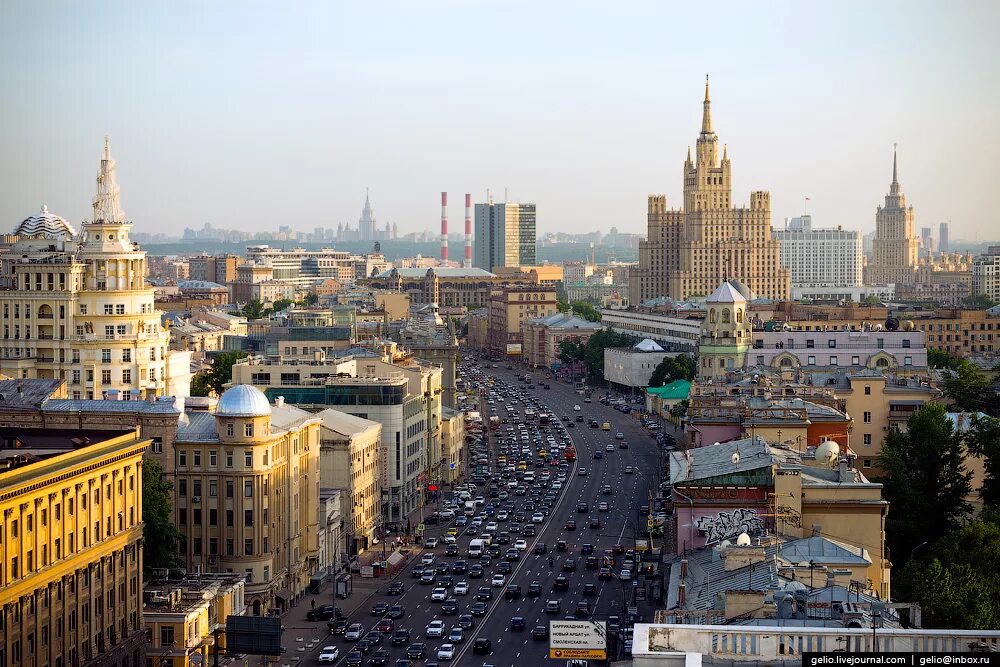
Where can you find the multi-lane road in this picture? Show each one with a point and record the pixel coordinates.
(618, 525)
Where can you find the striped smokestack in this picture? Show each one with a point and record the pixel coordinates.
(444, 226)
(468, 232)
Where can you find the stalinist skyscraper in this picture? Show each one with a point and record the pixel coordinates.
(896, 248)
(690, 251)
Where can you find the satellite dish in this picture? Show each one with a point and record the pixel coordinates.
(891, 324)
(743, 540)
(828, 452)
(736, 458)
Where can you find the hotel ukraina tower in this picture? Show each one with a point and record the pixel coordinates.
(76, 306)
(690, 251)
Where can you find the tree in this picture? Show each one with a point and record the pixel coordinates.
(681, 367)
(978, 301)
(200, 384)
(562, 305)
(279, 305)
(941, 359)
(925, 481)
(159, 533)
(983, 440)
(586, 311)
(967, 387)
(593, 356)
(680, 409)
(254, 310)
(221, 372)
(571, 351)
(957, 586)
(872, 300)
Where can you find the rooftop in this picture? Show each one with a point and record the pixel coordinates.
(345, 424)
(676, 390)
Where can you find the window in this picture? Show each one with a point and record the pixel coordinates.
(868, 390)
(106, 376)
(248, 458)
(127, 376)
(868, 418)
(213, 517)
(248, 429)
(213, 457)
(832, 343)
(833, 360)
(229, 458)
(127, 355)
(247, 517)
(119, 309)
(906, 342)
(109, 309)
(106, 356)
(230, 431)
(866, 463)
(230, 520)
(182, 458)
(907, 361)
(248, 487)
(197, 458)
(157, 444)
(868, 439)
(811, 360)
(230, 546)
(248, 547)
(213, 488)
(855, 361)
(229, 488)
(166, 635)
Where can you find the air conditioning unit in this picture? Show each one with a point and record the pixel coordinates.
(212, 560)
(196, 500)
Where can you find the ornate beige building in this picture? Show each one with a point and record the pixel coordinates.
(76, 307)
(690, 251)
(896, 246)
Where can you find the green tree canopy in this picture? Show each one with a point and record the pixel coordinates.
(280, 304)
(978, 301)
(221, 372)
(983, 439)
(967, 387)
(159, 533)
(681, 367)
(593, 357)
(254, 310)
(586, 311)
(571, 351)
(957, 585)
(200, 384)
(925, 481)
(941, 359)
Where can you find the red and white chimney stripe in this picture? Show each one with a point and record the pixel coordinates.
(468, 231)
(444, 226)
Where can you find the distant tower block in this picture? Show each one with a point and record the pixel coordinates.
(468, 232)
(444, 226)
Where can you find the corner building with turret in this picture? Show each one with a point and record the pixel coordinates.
(688, 252)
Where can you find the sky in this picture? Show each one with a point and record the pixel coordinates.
(253, 115)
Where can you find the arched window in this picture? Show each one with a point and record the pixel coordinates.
(711, 315)
(739, 315)
(881, 362)
(725, 316)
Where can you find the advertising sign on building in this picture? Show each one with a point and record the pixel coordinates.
(587, 640)
(513, 348)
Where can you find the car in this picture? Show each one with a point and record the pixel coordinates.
(577, 408)
(582, 507)
(512, 555)
(598, 455)
(427, 559)
(603, 507)
(482, 646)
(513, 592)
(428, 577)
(591, 563)
(396, 588)
(452, 548)
(607, 490)
(396, 612)
(570, 525)
(582, 608)
(541, 549)
(569, 565)
(561, 583)
(484, 593)
(586, 549)
(449, 607)
(594, 522)
(606, 426)
(431, 543)
(402, 662)
(379, 657)
(625, 575)
(456, 635)
(385, 626)
(329, 654)
(401, 638)
(355, 659)
(337, 627)
(435, 629)
(354, 632)
(466, 622)
(619, 436)
(629, 470)
(609, 447)
(461, 588)
(498, 580)
(416, 651)
(373, 637)
(439, 595)
(553, 607)
(537, 517)
(323, 612)
(446, 652)
(604, 573)
(561, 545)
(540, 632)
(476, 571)
(590, 589)
(521, 545)
(478, 609)
(618, 549)
(582, 472)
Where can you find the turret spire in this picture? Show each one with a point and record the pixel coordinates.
(894, 187)
(706, 116)
(107, 207)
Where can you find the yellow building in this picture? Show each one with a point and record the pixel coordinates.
(452, 444)
(510, 308)
(182, 617)
(246, 485)
(690, 251)
(70, 549)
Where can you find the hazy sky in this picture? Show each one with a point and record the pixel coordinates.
(252, 115)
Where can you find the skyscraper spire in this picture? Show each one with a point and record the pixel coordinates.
(107, 207)
(894, 187)
(706, 116)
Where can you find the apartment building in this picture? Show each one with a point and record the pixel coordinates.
(676, 331)
(509, 308)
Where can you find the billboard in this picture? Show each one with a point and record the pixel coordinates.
(513, 348)
(253, 635)
(587, 640)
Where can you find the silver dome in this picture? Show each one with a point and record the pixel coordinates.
(243, 401)
(45, 224)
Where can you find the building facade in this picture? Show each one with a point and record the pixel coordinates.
(677, 331)
(509, 308)
(247, 483)
(213, 268)
(77, 307)
(690, 251)
(901, 352)
(896, 248)
(541, 336)
(820, 258)
(986, 274)
(71, 554)
(725, 333)
(505, 235)
(631, 367)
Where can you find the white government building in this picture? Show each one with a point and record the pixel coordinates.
(824, 263)
(76, 307)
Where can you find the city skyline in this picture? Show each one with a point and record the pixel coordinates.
(284, 119)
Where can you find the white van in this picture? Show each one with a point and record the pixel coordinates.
(476, 548)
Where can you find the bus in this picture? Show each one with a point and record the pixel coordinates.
(543, 418)
(580, 387)
(530, 414)
(570, 453)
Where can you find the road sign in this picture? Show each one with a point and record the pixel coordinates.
(452, 466)
(649, 524)
(577, 654)
(585, 640)
(420, 529)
